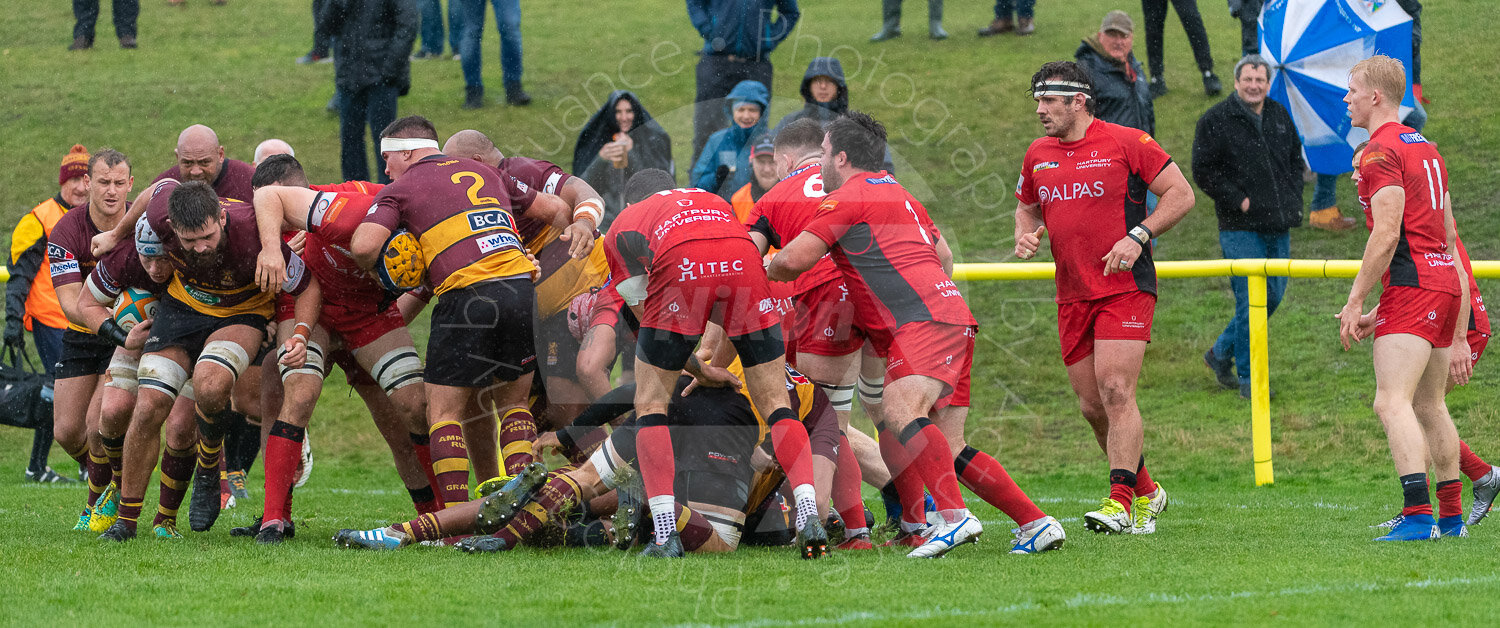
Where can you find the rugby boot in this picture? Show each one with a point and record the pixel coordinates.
(1041, 536)
(672, 548)
(481, 544)
(1484, 495)
(166, 530)
(907, 539)
(237, 485)
(630, 521)
(106, 509)
(497, 509)
(1414, 528)
(591, 534)
(203, 506)
(1390, 523)
(941, 539)
(1147, 509)
(858, 542)
(1452, 526)
(1110, 518)
(271, 533)
(83, 521)
(119, 532)
(288, 531)
(812, 539)
(375, 539)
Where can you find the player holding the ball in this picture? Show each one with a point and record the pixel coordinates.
(462, 214)
(118, 304)
(1084, 187)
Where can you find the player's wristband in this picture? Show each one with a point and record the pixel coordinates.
(301, 337)
(113, 332)
(296, 330)
(1142, 234)
(590, 209)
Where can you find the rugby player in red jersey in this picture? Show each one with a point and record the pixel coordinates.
(212, 319)
(1404, 189)
(895, 265)
(564, 276)
(1485, 477)
(1084, 186)
(461, 211)
(681, 261)
(143, 266)
(86, 356)
(822, 334)
(367, 331)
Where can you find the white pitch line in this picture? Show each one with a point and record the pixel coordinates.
(1089, 600)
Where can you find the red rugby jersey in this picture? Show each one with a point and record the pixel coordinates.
(885, 245)
(331, 221)
(645, 232)
(785, 210)
(1399, 156)
(1092, 192)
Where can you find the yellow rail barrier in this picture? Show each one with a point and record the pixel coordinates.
(1256, 271)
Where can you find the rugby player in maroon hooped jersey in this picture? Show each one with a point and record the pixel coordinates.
(681, 261)
(1085, 185)
(1486, 477)
(564, 276)
(1404, 188)
(86, 356)
(367, 331)
(212, 320)
(143, 266)
(895, 264)
(461, 212)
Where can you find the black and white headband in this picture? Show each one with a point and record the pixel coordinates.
(1060, 88)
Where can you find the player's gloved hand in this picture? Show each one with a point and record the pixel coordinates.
(103, 243)
(15, 340)
(1028, 243)
(580, 238)
(136, 339)
(1460, 360)
(270, 270)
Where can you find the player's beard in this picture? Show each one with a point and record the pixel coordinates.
(831, 179)
(1062, 125)
(213, 257)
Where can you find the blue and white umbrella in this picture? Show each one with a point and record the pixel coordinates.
(1312, 45)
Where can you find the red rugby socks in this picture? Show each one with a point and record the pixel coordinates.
(1471, 464)
(283, 451)
(987, 478)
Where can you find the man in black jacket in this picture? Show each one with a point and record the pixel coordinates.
(372, 67)
(1248, 159)
(1121, 93)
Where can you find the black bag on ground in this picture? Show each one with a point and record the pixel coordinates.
(21, 403)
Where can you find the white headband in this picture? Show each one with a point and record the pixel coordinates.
(1061, 88)
(393, 144)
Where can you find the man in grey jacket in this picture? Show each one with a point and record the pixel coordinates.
(1248, 159)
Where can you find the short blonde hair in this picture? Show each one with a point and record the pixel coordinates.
(1383, 74)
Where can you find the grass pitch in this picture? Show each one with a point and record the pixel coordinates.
(1225, 552)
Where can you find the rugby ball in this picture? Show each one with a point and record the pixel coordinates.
(134, 306)
(402, 266)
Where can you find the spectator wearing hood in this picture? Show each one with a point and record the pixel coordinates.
(724, 165)
(1122, 95)
(825, 94)
(762, 177)
(738, 37)
(620, 140)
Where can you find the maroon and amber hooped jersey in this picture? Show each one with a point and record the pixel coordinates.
(1092, 192)
(69, 256)
(785, 210)
(885, 244)
(542, 176)
(463, 214)
(226, 286)
(1399, 156)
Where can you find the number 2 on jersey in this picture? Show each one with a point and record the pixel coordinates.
(478, 182)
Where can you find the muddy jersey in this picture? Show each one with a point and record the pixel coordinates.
(542, 176)
(885, 245)
(120, 269)
(226, 286)
(332, 218)
(463, 214)
(785, 210)
(1092, 192)
(232, 183)
(1398, 156)
(69, 253)
(644, 234)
